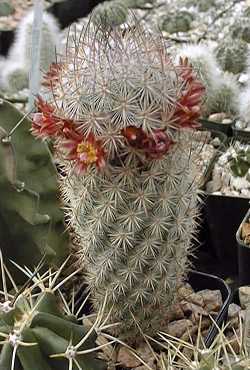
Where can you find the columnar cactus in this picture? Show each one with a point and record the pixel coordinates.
(120, 118)
(36, 333)
(14, 76)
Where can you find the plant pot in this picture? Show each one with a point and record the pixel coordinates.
(225, 128)
(243, 256)
(241, 135)
(221, 218)
(199, 281)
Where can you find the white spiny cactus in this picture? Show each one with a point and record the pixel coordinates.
(15, 75)
(120, 116)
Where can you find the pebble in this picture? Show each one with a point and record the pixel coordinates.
(125, 357)
(244, 294)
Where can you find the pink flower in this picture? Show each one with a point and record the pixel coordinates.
(159, 144)
(84, 151)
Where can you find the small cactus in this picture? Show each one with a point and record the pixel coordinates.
(241, 29)
(109, 14)
(225, 97)
(36, 333)
(232, 56)
(177, 22)
(122, 136)
(137, 3)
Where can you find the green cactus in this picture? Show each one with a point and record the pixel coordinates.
(177, 22)
(205, 5)
(232, 55)
(31, 221)
(17, 80)
(241, 29)
(109, 14)
(240, 161)
(129, 177)
(137, 3)
(36, 333)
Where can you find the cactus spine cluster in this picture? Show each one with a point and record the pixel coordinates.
(121, 132)
(15, 74)
(36, 333)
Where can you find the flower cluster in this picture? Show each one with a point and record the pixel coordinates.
(188, 109)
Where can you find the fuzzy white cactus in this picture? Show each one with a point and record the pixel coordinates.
(18, 63)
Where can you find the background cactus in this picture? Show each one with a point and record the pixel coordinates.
(225, 97)
(15, 73)
(241, 29)
(129, 176)
(110, 14)
(31, 221)
(176, 22)
(37, 333)
(232, 55)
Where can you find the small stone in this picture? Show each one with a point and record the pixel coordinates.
(197, 299)
(190, 333)
(245, 232)
(244, 294)
(213, 299)
(233, 310)
(185, 290)
(178, 328)
(6, 9)
(126, 358)
(217, 117)
(193, 310)
(233, 323)
(226, 121)
(175, 313)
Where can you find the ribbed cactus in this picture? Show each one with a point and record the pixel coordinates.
(37, 334)
(176, 22)
(232, 55)
(120, 119)
(31, 221)
(109, 14)
(17, 67)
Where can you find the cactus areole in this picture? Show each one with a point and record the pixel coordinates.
(121, 118)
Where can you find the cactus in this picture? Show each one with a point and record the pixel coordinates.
(18, 62)
(205, 5)
(240, 161)
(29, 207)
(225, 97)
(177, 22)
(137, 3)
(37, 333)
(232, 55)
(109, 14)
(241, 29)
(129, 184)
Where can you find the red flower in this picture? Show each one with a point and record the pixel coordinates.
(155, 146)
(85, 151)
(158, 145)
(135, 136)
(46, 124)
(188, 109)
